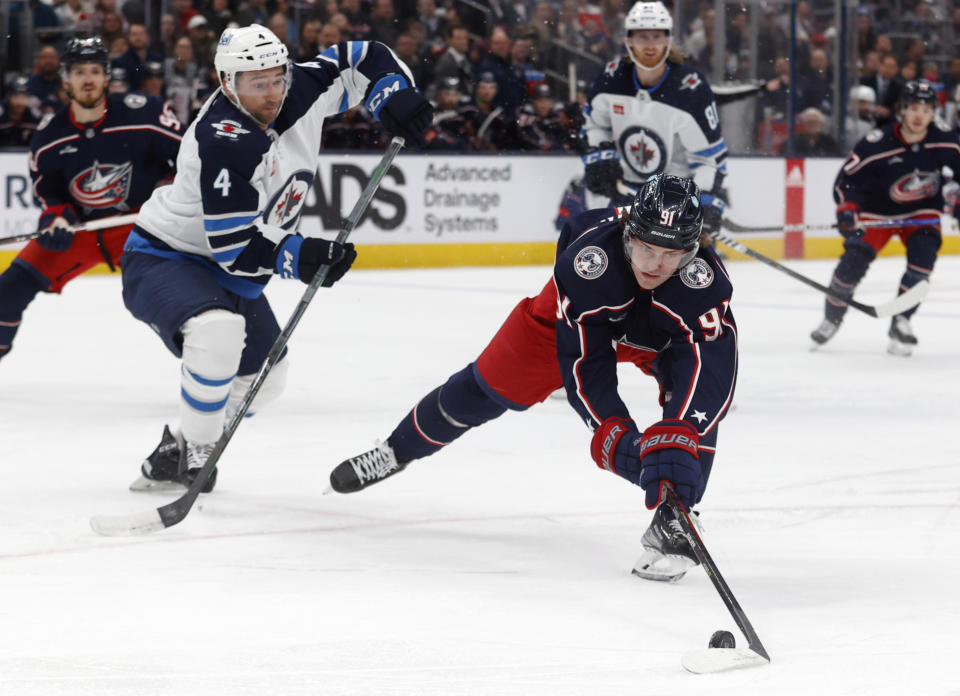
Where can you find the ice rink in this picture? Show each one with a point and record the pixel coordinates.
(501, 565)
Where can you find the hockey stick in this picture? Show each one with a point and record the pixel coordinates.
(901, 303)
(709, 660)
(819, 227)
(89, 226)
(175, 512)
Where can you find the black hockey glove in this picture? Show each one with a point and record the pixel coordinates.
(55, 227)
(405, 113)
(302, 258)
(601, 169)
(714, 206)
(847, 221)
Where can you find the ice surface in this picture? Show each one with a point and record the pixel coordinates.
(501, 565)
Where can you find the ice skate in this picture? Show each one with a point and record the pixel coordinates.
(667, 555)
(162, 469)
(168, 467)
(824, 332)
(197, 456)
(365, 469)
(902, 339)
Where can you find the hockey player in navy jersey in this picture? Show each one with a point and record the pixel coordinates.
(203, 248)
(894, 172)
(648, 113)
(100, 156)
(630, 285)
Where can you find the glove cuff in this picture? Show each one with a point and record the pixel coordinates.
(382, 90)
(287, 259)
(595, 156)
(66, 211)
(670, 434)
(603, 447)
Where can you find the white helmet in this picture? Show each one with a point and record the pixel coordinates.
(247, 48)
(652, 16)
(863, 93)
(649, 15)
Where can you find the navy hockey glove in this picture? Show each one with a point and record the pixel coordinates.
(847, 221)
(714, 207)
(668, 454)
(601, 169)
(55, 223)
(616, 447)
(301, 258)
(401, 109)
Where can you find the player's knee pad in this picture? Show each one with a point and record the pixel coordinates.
(212, 345)
(463, 401)
(442, 416)
(856, 259)
(271, 388)
(922, 248)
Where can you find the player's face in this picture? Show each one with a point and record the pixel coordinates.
(261, 93)
(648, 46)
(652, 265)
(86, 83)
(917, 117)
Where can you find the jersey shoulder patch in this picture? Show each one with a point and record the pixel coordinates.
(228, 128)
(697, 274)
(135, 101)
(874, 136)
(590, 262)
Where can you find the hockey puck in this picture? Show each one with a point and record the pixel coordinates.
(722, 639)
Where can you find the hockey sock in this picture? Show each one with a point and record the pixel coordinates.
(853, 265)
(922, 248)
(18, 287)
(442, 416)
(212, 344)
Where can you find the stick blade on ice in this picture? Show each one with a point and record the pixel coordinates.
(710, 660)
(127, 525)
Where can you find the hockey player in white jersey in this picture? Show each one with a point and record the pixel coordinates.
(647, 114)
(202, 249)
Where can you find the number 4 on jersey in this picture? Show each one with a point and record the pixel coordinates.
(222, 182)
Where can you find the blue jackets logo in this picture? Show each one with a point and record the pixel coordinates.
(591, 262)
(102, 185)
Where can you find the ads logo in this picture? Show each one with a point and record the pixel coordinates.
(387, 211)
(643, 151)
(286, 204)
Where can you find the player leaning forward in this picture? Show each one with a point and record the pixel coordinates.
(628, 285)
(203, 249)
(894, 172)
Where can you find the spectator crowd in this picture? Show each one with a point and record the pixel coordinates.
(498, 71)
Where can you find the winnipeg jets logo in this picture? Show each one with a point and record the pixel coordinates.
(102, 185)
(691, 82)
(285, 206)
(591, 262)
(229, 129)
(643, 151)
(915, 187)
(697, 274)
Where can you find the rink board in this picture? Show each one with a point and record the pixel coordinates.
(486, 210)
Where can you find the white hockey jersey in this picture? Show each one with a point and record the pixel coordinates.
(672, 127)
(239, 190)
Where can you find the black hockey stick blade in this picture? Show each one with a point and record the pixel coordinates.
(901, 303)
(175, 512)
(717, 659)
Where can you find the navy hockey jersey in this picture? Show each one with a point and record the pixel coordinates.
(887, 177)
(239, 190)
(686, 323)
(109, 167)
(672, 127)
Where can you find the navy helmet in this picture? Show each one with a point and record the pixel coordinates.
(89, 50)
(918, 92)
(667, 212)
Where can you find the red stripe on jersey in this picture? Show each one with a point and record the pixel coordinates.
(696, 354)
